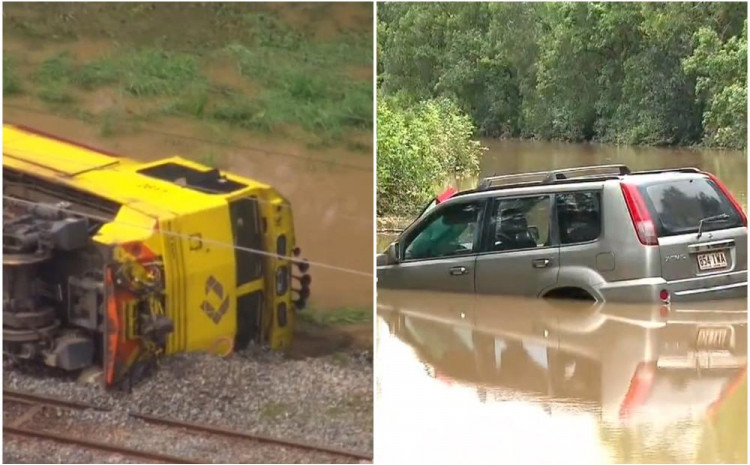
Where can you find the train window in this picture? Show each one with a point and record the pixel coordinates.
(281, 314)
(282, 280)
(210, 182)
(247, 232)
(281, 245)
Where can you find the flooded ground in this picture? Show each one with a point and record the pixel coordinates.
(520, 156)
(465, 379)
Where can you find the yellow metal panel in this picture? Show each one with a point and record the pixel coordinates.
(55, 155)
(129, 225)
(113, 178)
(279, 221)
(250, 287)
(209, 309)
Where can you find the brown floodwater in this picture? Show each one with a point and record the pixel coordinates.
(480, 379)
(519, 156)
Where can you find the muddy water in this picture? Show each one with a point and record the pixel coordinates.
(465, 379)
(332, 206)
(518, 156)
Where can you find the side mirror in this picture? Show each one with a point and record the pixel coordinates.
(534, 231)
(390, 256)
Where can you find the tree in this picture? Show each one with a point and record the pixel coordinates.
(421, 146)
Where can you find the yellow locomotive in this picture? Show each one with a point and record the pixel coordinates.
(111, 262)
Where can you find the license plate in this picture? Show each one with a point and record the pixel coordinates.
(714, 338)
(712, 260)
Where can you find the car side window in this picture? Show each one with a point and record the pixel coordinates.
(579, 216)
(520, 223)
(451, 232)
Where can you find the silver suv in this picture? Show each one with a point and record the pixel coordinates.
(602, 233)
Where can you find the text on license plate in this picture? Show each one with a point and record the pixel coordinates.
(712, 260)
(714, 338)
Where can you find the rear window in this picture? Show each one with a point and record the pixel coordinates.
(679, 206)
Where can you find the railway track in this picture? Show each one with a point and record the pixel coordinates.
(35, 403)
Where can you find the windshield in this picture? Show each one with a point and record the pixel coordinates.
(679, 206)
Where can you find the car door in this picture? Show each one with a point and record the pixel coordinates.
(438, 253)
(519, 253)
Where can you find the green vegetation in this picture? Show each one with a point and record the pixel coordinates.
(52, 79)
(626, 73)
(272, 410)
(243, 65)
(336, 317)
(721, 85)
(421, 146)
(351, 403)
(304, 86)
(11, 84)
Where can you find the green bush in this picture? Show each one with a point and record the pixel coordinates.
(721, 86)
(421, 146)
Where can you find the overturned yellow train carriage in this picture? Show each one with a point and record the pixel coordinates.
(109, 262)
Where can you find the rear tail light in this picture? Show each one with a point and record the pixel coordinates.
(728, 194)
(639, 390)
(644, 225)
(664, 295)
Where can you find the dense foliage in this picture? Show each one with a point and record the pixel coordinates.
(629, 73)
(419, 147)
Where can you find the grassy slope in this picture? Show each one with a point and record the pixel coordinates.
(304, 70)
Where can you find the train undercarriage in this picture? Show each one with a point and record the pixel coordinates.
(57, 284)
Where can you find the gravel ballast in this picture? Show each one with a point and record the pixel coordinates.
(325, 400)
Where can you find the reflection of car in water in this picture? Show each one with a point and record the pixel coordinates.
(627, 361)
(597, 233)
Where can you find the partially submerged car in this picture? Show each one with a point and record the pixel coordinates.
(600, 233)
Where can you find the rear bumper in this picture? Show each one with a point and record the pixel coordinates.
(725, 286)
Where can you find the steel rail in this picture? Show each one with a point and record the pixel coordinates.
(13, 395)
(251, 436)
(27, 397)
(88, 443)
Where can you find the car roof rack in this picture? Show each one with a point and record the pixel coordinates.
(669, 170)
(553, 176)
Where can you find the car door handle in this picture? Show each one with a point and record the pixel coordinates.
(541, 262)
(458, 271)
